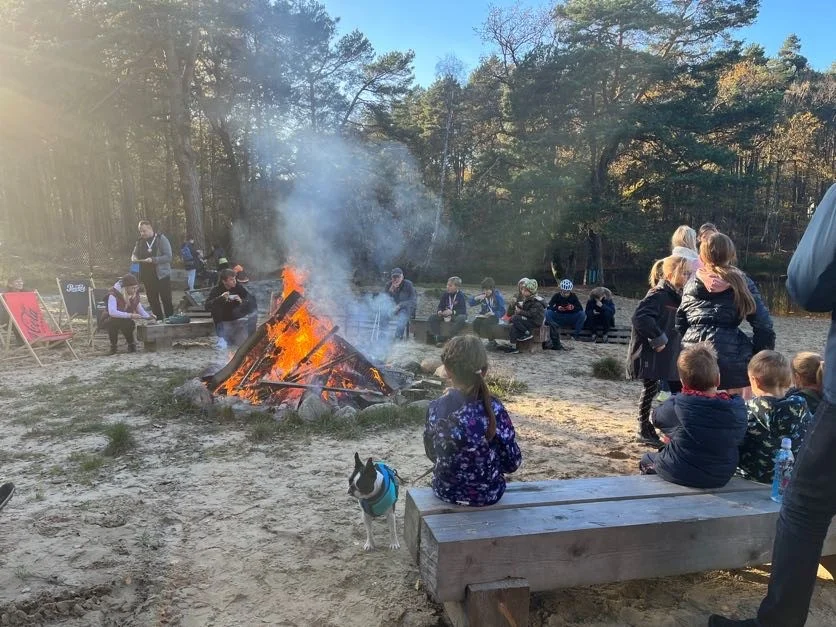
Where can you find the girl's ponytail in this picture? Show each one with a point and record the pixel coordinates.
(485, 395)
(656, 273)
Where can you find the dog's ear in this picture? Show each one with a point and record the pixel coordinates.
(357, 462)
(370, 465)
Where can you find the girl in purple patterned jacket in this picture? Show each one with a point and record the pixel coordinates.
(469, 435)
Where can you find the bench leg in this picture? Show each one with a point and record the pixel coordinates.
(498, 604)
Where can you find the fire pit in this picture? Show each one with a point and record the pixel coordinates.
(295, 353)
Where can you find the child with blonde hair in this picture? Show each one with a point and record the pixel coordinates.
(774, 414)
(807, 377)
(714, 304)
(469, 435)
(654, 340)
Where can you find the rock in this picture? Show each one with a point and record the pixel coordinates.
(346, 414)
(430, 364)
(193, 391)
(379, 412)
(411, 366)
(423, 405)
(441, 373)
(313, 408)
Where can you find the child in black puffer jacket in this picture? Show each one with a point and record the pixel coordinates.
(654, 341)
(714, 304)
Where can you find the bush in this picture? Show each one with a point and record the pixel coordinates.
(505, 387)
(121, 440)
(608, 368)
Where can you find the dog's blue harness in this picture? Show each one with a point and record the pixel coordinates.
(388, 495)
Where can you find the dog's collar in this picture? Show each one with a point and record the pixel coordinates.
(386, 496)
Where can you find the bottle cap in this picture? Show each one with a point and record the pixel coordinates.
(786, 443)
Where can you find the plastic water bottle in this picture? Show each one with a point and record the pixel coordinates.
(784, 462)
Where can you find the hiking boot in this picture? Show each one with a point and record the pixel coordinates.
(113, 350)
(647, 435)
(715, 620)
(131, 348)
(525, 337)
(6, 492)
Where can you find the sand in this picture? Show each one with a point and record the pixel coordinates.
(198, 526)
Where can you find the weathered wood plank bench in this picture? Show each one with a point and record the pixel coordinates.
(420, 328)
(161, 336)
(546, 535)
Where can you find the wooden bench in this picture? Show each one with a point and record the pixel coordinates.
(160, 336)
(420, 328)
(193, 303)
(482, 563)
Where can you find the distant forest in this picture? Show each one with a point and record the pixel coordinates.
(589, 131)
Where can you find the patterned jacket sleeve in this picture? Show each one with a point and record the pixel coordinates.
(505, 441)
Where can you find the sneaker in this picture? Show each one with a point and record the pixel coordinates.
(525, 338)
(562, 347)
(715, 620)
(647, 435)
(6, 492)
(514, 350)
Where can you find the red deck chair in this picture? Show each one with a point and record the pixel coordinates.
(26, 316)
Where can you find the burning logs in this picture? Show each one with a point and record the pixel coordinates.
(294, 353)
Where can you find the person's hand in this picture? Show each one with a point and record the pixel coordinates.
(148, 260)
(479, 298)
(151, 317)
(135, 316)
(659, 349)
(225, 295)
(447, 312)
(235, 297)
(561, 308)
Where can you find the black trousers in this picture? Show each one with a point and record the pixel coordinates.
(649, 392)
(125, 325)
(519, 327)
(808, 507)
(434, 322)
(602, 323)
(159, 290)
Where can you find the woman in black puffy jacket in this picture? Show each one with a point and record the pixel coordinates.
(714, 304)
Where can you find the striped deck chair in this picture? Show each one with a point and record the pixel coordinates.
(28, 317)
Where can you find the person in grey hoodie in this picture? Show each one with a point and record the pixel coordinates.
(153, 254)
(809, 502)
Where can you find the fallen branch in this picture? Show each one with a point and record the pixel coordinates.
(323, 388)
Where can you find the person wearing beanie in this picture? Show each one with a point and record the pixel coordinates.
(529, 314)
(123, 307)
(565, 309)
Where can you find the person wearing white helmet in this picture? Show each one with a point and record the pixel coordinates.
(565, 309)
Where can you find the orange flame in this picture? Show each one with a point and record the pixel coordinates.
(292, 345)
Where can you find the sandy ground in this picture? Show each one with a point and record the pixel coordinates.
(198, 526)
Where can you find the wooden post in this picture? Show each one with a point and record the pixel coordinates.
(497, 604)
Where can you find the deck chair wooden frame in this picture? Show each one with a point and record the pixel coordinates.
(30, 342)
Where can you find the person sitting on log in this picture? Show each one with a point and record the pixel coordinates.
(565, 309)
(230, 304)
(403, 293)
(600, 314)
(529, 314)
(491, 309)
(452, 307)
(123, 307)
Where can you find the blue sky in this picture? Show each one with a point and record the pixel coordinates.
(435, 28)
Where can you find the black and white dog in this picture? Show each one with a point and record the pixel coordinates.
(375, 485)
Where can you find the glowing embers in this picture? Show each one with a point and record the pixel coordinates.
(295, 352)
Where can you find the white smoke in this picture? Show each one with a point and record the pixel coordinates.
(356, 211)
